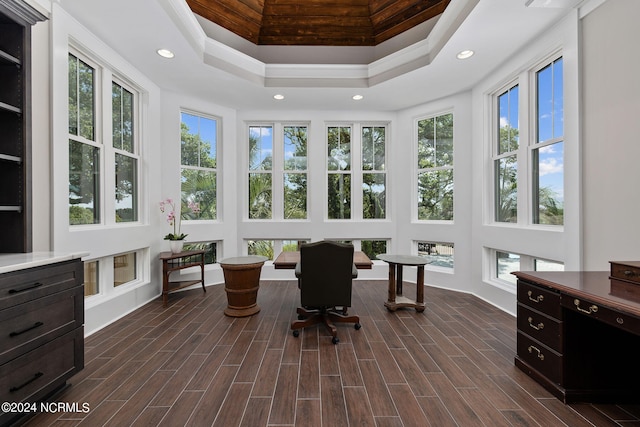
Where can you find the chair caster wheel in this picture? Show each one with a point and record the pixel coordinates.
(296, 333)
(357, 326)
(335, 340)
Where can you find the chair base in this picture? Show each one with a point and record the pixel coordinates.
(326, 316)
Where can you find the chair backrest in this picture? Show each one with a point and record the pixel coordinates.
(326, 270)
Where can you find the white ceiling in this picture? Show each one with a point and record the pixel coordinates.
(424, 71)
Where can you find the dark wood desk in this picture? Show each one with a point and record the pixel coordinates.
(177, 261)
(577, 335)
(289, 259)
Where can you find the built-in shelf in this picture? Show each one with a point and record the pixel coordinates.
(7, 107)
(9, 158)
(5, 58)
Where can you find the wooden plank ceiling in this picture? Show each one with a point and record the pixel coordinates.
(318, 22)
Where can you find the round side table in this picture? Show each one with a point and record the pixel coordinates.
(241, 282)
(396, 299)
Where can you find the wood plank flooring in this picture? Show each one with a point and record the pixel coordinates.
(190, 365)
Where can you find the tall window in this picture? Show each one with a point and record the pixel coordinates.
(126, 159)
(505, 158)
(260, 172)
(374, 176)
(339, 176)
(199, 165)
(435, 168)
(548, 149)
(84, 148)
(295, 172)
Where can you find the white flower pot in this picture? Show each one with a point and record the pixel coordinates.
(176, 245)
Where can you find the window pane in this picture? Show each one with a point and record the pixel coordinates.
(260, 195)
(435, 195)
(506, 189)
(84, 183)
(91, 286)
(295, 195)
(544, 265)
(549, 184)
(295, 148)
(261, 248)
(126, 188)
(260, 148)
(198, 186)
(81, 99)
(122, 110)
(550, 102)
(210, 248)
(505, 264)
(508, 121)
(291, 245)
(373, 248)
(339, 148)
(435, 142)
(124, 268)
(439, 254)
(373, 148)
(373, 195)
(339, 196)
(198, 136)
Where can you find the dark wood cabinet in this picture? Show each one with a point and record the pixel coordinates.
(16, 19)
(42, 324)
(576, 335)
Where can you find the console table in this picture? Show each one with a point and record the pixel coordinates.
(577, 335)
(177, 261)
(396, 263)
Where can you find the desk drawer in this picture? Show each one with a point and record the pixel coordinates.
(542, 328)
(540, 299)
(29, 325)
(628, 270)
(21, 286)
(540, 357)
(625, 322)
(39, 372)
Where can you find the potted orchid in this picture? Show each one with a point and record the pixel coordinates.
(176, 239)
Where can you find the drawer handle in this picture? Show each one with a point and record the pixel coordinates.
(540, 355)
(619, 320)
(592, 309)
(539, 298)
(35, 325)
(629, 273)
(26, 383)
(537, 327)
(26, 288)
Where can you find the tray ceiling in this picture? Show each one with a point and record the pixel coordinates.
(318, 22)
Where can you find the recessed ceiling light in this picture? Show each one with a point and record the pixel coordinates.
(165, 53)
(357, 97)
(465, 54)
(278, 96)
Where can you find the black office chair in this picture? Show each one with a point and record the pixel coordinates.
(325, 273)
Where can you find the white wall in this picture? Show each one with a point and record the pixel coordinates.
(611, 128)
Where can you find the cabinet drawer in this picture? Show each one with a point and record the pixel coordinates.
(623, 321)
(28, 325)
(542, 328)
(39, 372)
(540, 357)
(627, 270)
(538, 298)
(21, 286)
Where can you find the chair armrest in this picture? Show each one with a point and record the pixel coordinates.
(354, 271)
(298, 270)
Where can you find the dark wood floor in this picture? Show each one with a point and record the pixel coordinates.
(189, 364)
